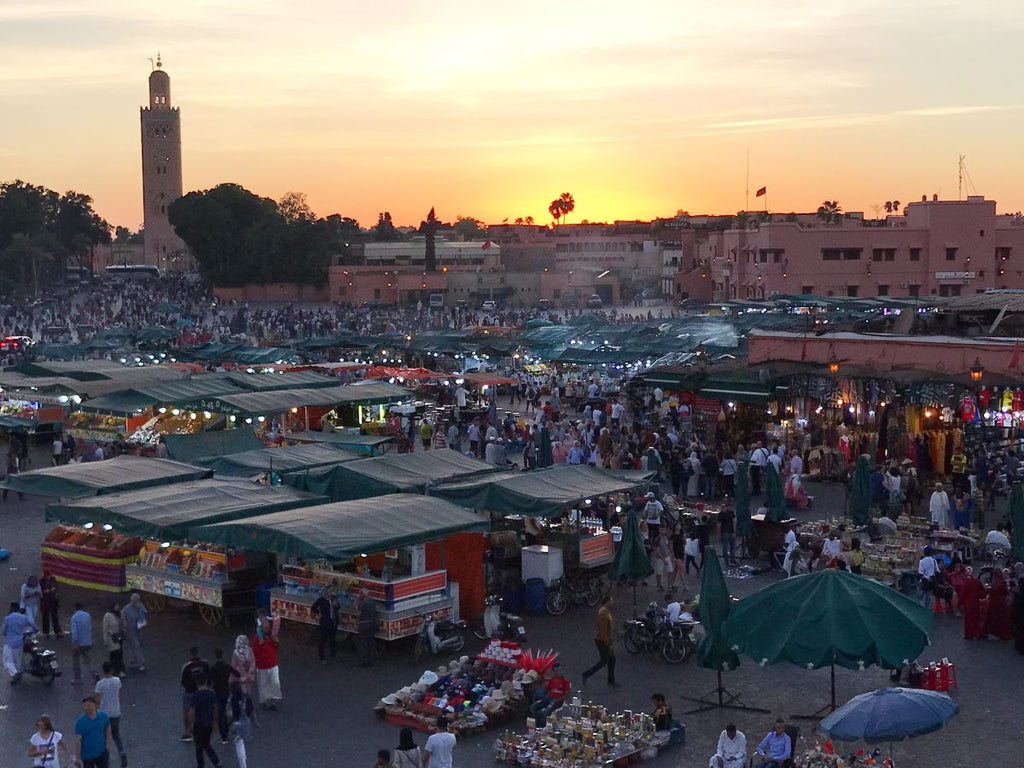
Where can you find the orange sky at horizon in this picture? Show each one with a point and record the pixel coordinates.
(638, 111)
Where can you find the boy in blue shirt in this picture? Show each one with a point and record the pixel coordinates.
(93, 731)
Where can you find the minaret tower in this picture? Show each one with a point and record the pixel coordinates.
(161, 172)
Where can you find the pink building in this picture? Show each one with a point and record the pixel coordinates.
(937, 248)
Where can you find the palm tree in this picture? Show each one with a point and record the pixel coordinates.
(555, 209)
(830, 212)
(568, 204)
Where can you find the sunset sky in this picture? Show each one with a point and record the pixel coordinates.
(493, 109)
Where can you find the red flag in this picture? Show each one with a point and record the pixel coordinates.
(761, 192)
(486, 245)
(1015, 358)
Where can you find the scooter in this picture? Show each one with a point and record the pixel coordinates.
(42, 662)
(577, 589)
(495, 623)
(440, 637)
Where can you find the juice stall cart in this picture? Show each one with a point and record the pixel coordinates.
(366, 549)
(164, 563)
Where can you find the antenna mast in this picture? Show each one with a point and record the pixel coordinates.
(960, 177)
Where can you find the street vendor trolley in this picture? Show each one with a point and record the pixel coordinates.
(768, 536)
(219, 583)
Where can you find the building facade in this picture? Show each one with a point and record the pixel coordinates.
(936, 248)
(161, 173)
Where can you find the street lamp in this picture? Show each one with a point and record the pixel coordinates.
(977, 371)
(833, 365)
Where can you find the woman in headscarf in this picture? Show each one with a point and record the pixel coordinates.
(970, 603)
(693, 484)
(795, 493)
(134, 616)
(243, 664)
(407, 754)
(997, 620)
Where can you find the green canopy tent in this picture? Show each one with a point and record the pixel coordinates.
(343, 530)
(1017, 520)
(541, 493)
(744, 527)
(167, 512)
(123, 473)
(366, 444)
(827, 618)
(774, 499)
(283, 461)
(631, 560)
(390, 473)
(860, 491)
(201, 445)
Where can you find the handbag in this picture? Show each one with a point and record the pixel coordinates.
(117, 638)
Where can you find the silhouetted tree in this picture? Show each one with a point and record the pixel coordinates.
(385, 231)
(830, 212)
(429, 227)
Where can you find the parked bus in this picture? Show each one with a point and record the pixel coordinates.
(133, 271)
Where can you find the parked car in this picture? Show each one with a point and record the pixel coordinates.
(595, 302)
(489, 306)
(543, 304)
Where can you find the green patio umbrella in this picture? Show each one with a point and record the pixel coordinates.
(631, 561)
(744, 527)
(860, 491)
(544, 448)
(774, 499)
(827, 618)
(1017, 520)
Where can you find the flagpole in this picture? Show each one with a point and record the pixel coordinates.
(746, 204)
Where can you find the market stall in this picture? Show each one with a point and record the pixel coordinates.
(165, 562)
(372, 549)
(221, 442)
(91, 557)
(122, 473)
(391, 473)
(586, 735)
(349, 440)
(475, 693)
(32, 411)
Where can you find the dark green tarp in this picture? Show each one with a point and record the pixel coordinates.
(168, 393)
(714, 651)
(167, 512)
(391, 473)
(341, 531)
(774, 498)
(218, 443)
(123, 473)
(264, 382)
(278, 401)
(368, 444)
(293, 458)
(631, 562)
(541, 493)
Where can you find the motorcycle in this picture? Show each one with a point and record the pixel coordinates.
(653, 632)
(495, 623)
(42, 662)
(576, 590)
(440, 637)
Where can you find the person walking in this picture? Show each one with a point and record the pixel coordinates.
(407, 754)
(440, 746)
(243, 664)
(241, 712)
(367, 631)
(220, 683)
(47, 746)
(203, 708)
(92, 729)
(603, 641)
(108, 688)
(327, 611)
(113, 637)
(13, 467)
(265, 646)
(49, 605)
(14, 627)
(134, 618)
(81, 642)
(192, 670)
(31, 599)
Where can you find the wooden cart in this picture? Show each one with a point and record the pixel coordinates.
(768, 536)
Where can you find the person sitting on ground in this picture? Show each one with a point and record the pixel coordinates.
(997, 539)
(662, 713)
(551, 695)
(732, 749)
(775, 748)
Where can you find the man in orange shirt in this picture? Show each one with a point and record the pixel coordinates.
(603, 640)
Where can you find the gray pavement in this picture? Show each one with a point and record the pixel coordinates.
(327, 717)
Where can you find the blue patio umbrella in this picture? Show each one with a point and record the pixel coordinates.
(890, 714)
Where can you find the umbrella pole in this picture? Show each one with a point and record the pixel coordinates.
(833, 685)
(726, 700)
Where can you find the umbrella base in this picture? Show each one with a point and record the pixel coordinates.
(719, 698)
